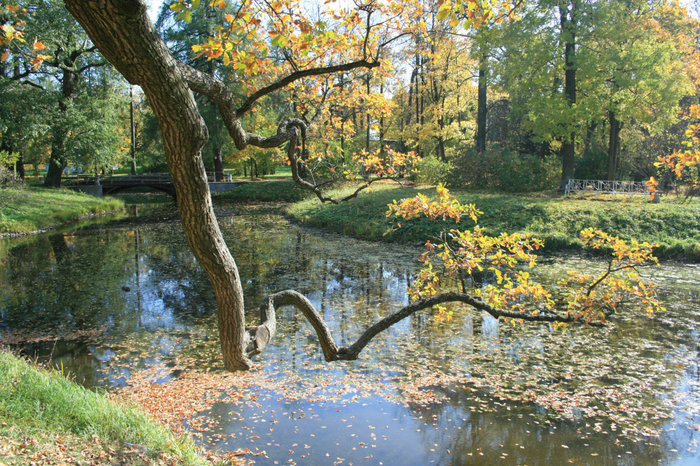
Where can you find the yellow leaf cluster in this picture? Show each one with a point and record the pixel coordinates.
(386, 163)
(11, 27)
(471, 255)
(444, 207)
(683, 164)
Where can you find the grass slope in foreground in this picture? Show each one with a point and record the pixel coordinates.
(28, 209)
(672, 224)
(45, 417)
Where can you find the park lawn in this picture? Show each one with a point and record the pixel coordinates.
(28, 209)
(673, 224)
(278, 190)
(44, 417)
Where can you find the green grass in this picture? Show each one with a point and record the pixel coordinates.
(267, 191)
(45, 415)
(144, 198)
(673, 225)
(27, 209)
(283, 171)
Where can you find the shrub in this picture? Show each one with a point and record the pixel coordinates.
(593, 165)
(433, 171)
(8, 178)
(505, 171)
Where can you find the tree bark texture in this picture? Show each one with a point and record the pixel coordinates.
(125, 36)
(613, 144)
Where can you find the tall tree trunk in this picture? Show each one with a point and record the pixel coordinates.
(20, 166)
(216, 138)
(381, 124)
(613, 145)
(343, 116)
(567, 18)
(416, 90)
(125, 36)
(368, 76)
(218, 163)
(58, 159)
(590, 133)
(440, 149)
(481, 106)
(133, 132)
(411, 90)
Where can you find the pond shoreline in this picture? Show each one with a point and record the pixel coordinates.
(366, 220)
(59, 225)
(29, 210)
(283, 209)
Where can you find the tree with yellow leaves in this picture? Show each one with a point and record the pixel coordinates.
(270, 46)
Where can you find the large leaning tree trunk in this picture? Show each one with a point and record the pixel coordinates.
(125, 36)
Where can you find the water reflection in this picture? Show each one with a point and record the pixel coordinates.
(106, 301)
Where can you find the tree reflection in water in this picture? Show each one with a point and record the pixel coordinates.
(470, 390)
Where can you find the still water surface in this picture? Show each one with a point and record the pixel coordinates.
(115, 302)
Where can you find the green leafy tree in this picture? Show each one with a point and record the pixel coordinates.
(601, 68)
(57, 61)
(24, 121)
(631, 73)
(539, 70)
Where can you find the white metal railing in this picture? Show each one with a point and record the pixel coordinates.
(597, 187)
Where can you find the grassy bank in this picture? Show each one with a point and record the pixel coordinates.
(266, 191)
(28, 209)
(675, 226)
(44, 417)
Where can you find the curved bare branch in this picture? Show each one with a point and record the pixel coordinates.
(302, 74)
(261, 335)
(289, 131)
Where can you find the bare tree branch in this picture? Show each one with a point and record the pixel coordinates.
(299, 75)
(288, 131)
(261, 335)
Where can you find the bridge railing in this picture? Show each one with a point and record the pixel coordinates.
(597, 187)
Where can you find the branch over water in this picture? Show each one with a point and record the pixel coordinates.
(261, 335)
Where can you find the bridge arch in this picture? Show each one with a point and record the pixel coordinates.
(113, 189)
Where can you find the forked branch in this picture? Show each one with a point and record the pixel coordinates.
(290, 131)
(260, 336)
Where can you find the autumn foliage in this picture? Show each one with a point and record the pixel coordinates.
(13, 20)
(684, 164)
(498, 268)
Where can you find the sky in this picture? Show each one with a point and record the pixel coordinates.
(153, 8)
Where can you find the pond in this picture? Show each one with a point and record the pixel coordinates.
(124, 306)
